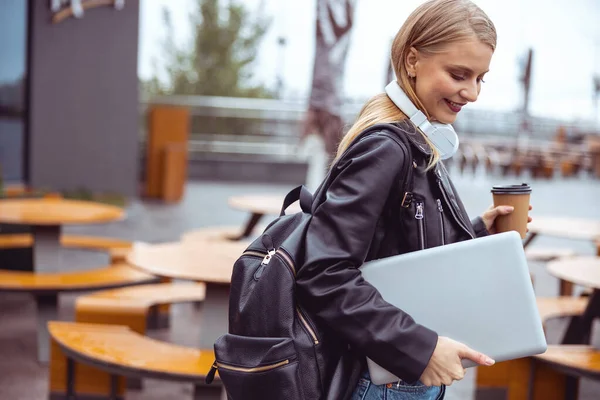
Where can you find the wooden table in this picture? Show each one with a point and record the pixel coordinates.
(208, 261)
(259, 206)
(583, 271)
(564, 227)
(46, 218)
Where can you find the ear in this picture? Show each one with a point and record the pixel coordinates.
(411, 62)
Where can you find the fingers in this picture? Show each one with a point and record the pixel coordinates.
(504, 210)
(530, 207)
(475, 356)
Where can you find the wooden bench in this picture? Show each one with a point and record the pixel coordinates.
(506, 378)
(540, 254)
(116, 248)
(130, 307)
(118, 350)
(556, 373)
(46, 286)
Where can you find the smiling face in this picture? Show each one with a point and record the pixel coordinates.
(446, 81)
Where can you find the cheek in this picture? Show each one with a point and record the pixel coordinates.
(434, 90)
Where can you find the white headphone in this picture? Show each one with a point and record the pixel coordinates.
(443, 136)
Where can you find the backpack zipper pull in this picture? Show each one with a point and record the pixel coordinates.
(439, 202)
(419, 214)
(211, 373)
(267, 241)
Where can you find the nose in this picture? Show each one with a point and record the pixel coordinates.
(470, 92)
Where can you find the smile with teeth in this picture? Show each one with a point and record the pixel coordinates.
(454, 106)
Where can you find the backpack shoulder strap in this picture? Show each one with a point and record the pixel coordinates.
(399, 136)
(298, 193)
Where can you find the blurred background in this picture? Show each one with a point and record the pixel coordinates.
(253, 76)
(183, 111)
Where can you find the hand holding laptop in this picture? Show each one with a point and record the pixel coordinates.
(445, 364)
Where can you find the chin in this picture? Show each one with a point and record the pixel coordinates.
(445, 119)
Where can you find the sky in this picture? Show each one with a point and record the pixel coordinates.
(565, 37)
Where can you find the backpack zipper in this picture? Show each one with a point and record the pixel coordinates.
(217, 365)
(267, 259)
(441, 210)
(309, 328)
(419, 215)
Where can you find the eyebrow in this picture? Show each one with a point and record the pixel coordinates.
(467, 69)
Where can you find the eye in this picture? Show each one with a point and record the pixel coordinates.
(480, 80)
(457, 77)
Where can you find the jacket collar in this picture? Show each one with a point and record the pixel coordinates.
(414, 136)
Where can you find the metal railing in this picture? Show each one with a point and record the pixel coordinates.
(276, 124)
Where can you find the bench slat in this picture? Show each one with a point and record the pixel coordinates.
(100, 278)
(145, 295)
(577, 360)
(562, 306)
(67, 240)
(125, 352)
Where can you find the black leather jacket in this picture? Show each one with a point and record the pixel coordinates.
(360, 218)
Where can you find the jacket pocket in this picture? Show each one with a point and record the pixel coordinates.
(253, 368)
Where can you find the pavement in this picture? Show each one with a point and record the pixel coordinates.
(205, 204)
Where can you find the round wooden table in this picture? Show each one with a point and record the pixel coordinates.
(260, 205)
(564, 227)
(46, 218)
(585, 271)
(208, 261)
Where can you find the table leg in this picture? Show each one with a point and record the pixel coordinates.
(46, 248)
(213, 323)
(46, 258)
(47, 310)
(529, 238)
(250, 225)
(579, 329)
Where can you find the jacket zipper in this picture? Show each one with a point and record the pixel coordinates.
(459, 220)
(419, 217)
(441, 210)
(309, 328)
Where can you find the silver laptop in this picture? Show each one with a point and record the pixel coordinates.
(477, 292)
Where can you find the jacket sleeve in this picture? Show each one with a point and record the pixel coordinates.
(479, 227)
(329, 283)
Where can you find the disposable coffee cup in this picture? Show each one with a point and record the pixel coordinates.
(517, 196)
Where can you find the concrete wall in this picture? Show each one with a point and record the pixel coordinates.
(84, 99)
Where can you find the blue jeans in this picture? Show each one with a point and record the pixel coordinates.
(367, 390)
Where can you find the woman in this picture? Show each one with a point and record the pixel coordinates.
(440, 57)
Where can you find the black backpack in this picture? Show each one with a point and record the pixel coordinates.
(271, 351)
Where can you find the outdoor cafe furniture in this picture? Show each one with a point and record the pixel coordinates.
(46, 216)
(259, 206)
(117, 350)
(585, 271)
(133, 307)
(208, 261)
(564, 227)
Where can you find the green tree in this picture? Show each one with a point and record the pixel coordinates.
(225, 45)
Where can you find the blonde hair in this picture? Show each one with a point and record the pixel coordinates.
(428, 29)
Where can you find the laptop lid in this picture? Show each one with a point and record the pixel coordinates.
(477, 292)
